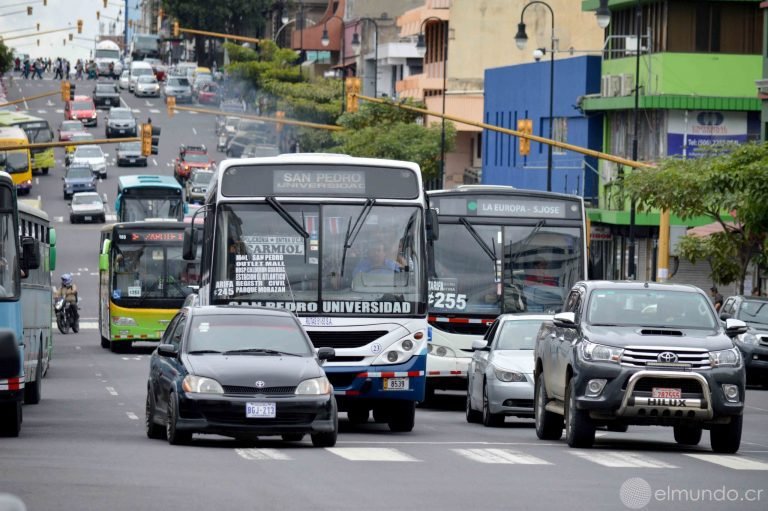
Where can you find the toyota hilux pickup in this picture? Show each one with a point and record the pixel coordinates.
(633, 353)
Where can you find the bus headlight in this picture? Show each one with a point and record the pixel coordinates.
(314, 387)
(201, 385)
(123, 321)
(440, 351)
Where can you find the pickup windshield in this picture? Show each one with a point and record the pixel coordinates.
(650, 308)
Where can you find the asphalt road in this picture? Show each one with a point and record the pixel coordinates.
(84, 447)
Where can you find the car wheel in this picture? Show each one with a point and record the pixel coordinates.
(688, 434)
(726, 438)
(154, 430)
(174, 436)
(549, 425)
(402, 416)
(293, 437)
(10, 419)
(472, 415)
(490, 420)
(579, 429)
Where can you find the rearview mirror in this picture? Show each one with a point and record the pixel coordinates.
(734, 327)
(565, 320)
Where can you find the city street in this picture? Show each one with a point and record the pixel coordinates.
(84, 446)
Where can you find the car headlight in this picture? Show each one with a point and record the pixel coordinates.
(725, 358)
(599, 352)
(123, 321)
(197, 190)
(314, 387)
(508, 376)
(201, 385)
(93, 115)
(748, 338)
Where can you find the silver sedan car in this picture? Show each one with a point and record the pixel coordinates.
(500, 374)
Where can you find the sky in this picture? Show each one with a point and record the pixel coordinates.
(59, 14)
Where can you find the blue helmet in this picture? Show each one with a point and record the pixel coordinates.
(66, 279)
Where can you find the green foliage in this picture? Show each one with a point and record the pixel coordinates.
(732, 182)
(6, 58)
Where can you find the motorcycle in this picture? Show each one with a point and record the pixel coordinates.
(65, 318)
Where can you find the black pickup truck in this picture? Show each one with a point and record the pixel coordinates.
(633, 353)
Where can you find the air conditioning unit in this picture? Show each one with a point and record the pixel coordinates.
(615, 85)
(605, 83)
(610, 86)
(627, 84)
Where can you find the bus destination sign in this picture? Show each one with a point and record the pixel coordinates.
(531, 208)
(150, 236)
(333, 181)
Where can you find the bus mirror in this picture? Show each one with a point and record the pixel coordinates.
(104, 262)
(433, 226)
(52, 249)
(189, 244)
(30, 253)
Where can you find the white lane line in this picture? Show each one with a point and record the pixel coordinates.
(98, 374)
(132, 416)
(49, 103)
(193, 113)
(262, 454)
(37, 182)
(194, 131)
(58, 219)
(755, 408)
(84, 325)
(125, 104)
(621, 459)
(59, 110)
(135, 110)
(78, 348)
(370, 454)
(731, 461)
(505, 456)
(154, 162)
(154, 111)
(111, 218)
(42, 111)
(112, 391)
(94, 274)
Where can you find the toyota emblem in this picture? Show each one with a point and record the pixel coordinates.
(259, 384)
(667, 357)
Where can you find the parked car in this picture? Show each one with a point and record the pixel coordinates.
(753, 310)
(639, 353)
(106, 95)
(197, 185)
(129, 153)
(178, 87)
(240, 372)
(70, 149)
(120, 122)
(79, 178)
(500, 374)
(147, 86)
(260, 151)
(93, 156)
(81, 109)
(190, 157)
(125, 78)
(87, 207)
(69, 128)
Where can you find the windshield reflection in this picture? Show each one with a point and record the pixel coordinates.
(135, 210)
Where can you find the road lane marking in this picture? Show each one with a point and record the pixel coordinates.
(111, 218)
(194, 131)
(262, 454)
(621, 459)
(84, 325)
(154, 111)
(132, 416)
(58, 219)
(370, 454)
(112, 391)
(94, 274)
(505, 456)
(42, 111)
(731, 461)
(154, 162)
(37, 182)
(59, 110)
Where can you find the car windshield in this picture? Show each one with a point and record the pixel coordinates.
(125, 75)
(754, 311)
(79, 173)
(88, 152)
(15, 161)
(147, 79)
(139, 72)
(650, 308)
(81, 137)
(86, 198)
(82, 105)
(196, 158)
(105, 87)
(120, 114)
(202, 178)
(178, 82)
(71, 126)
(518, 335)
(251, 332)
(129, 146)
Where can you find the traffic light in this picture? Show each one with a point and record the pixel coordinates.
(280, 115)
(175, 29)
(146, 139)
(71, 91)
(155, 134)
(45, 3)
(79, 26)
(29, 10)
(98, 15)
(105, 3)
(171, 105)
(64, 91)
(71, 37)
(38, 27)
(525, 126)
(38, 42)
(352, 85)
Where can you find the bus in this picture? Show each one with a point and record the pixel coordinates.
(16, 162)
(501, 250)
(341, 242)
(37, 299)
(38, 132)
(149, 197)
(143, 281)
(19, 256)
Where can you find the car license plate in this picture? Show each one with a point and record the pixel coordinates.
(661, 393)
(88, 218)
(131, 160)
(260, 410)
(121, 131)
(395, 383)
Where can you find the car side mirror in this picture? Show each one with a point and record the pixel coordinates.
(167, 350)
(326, 353)
(480, 345)
(565, 320)
(734, 327)
(725, 316)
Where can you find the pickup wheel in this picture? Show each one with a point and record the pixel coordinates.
(726, 438)
(579, 429)
(688, 435)
(549, 425)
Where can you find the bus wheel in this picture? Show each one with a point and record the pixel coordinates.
(402, 416)
(10, 419)
(104, 342)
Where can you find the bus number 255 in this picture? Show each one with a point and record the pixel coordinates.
(440, 300)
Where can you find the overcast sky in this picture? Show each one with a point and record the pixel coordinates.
(59, 14)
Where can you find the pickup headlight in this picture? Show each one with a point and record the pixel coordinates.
(314, 387)
(508, 376)
(201, 385)
(725, 358)
(593, 352)
(748, 338)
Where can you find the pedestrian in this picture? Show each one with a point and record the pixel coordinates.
(756, 291)
(39, 68)
(67, 70)
(717, 298)
(17, 64)
(79, 70)
(25, 71)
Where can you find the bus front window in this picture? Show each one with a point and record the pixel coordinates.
(16, 162)
(9, 282)
(148, 272)
(138, 209)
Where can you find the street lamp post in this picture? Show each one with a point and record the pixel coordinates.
(356, 47)
(325, 41)
(521, 38)
(635, 121)
(421, 46)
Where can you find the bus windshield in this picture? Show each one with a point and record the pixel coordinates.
(15, 162)
(9, 284)
(135, 209)
(38, 132)
(107, 54)
(330, 259)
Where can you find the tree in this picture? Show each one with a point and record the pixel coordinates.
(6, 58)
(721, 183)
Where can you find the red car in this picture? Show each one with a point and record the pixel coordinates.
(69, 128)
(81, 109)
(190, 157)
(209, 94)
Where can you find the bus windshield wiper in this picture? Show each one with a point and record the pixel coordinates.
(287, 217)
(259, 351)
(352, 232)
(471, 228)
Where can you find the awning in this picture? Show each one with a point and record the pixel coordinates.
(703, 231)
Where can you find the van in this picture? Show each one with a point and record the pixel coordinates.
(16, 162)
(138, 68)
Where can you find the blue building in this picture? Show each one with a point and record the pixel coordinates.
(522, 92)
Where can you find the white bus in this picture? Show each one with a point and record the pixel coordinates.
(340, 241)
(501, 250)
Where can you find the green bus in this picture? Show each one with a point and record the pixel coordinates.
(149, 197)
(38, 132)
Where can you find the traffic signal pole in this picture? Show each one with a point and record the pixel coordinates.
(35, 34)
(30, 98)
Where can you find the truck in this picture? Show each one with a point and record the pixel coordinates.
(106, 53)
(145, 46)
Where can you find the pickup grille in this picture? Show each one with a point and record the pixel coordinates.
(639, 356)
(345, 339)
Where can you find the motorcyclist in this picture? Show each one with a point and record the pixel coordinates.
(68, 291)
